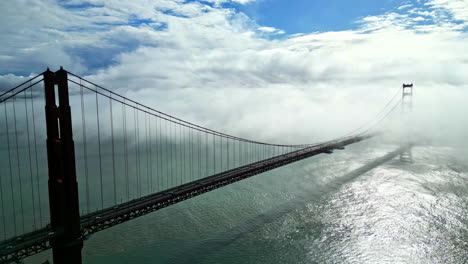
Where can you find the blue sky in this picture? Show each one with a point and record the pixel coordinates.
(305, 16)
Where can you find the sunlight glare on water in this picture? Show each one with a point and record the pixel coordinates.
(321, 210)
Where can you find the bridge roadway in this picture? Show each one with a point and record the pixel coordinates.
(32, 243)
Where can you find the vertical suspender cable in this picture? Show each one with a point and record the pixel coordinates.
(240, 153)
(181, 153)
(253, 147)
(113, 149)
(206, 147)
(171, 149)
(127, 180)
(199, 154)
(193, 155)
(185, 153)
(10, 168)
(192, 158)
(172, 156)
(214, 154)
(259, 152)
(221, 140)
(249, 149)
(85, 148)
(18, 163)
(168, 155)
(148, 182)
(166, 161)
(137, 161)
(190, 154)
(234, 158)
(99, 150)
(3, 208)
(157, 144)
(234, 153)
(30, 159)
(160, 154)
(176, 156)
(36, 158)
(150, 154)
(254, 152)
(137, 130)
(171, 159)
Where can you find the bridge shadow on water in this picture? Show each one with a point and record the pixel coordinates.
(213, 243)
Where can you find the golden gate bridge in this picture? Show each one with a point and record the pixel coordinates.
(102, 159)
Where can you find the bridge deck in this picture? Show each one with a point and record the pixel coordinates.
(35, 242)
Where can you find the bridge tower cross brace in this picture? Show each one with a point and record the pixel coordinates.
(63, 187)
(406, 110)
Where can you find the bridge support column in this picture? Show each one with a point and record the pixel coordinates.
(63, 187)
(406, 108)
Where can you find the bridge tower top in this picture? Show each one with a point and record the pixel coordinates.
(407, 98)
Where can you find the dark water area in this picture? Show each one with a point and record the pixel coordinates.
(350, 207)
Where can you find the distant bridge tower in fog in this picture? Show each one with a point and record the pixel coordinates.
(406, 110)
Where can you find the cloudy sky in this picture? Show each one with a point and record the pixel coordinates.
(283, 69)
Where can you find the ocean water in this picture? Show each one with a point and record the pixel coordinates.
(340, 208)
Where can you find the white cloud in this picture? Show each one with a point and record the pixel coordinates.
(271, 30)
(212, 66)
(244, 1)
(419, 19)
(457, 8)
(219, 2)
(404, 6)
